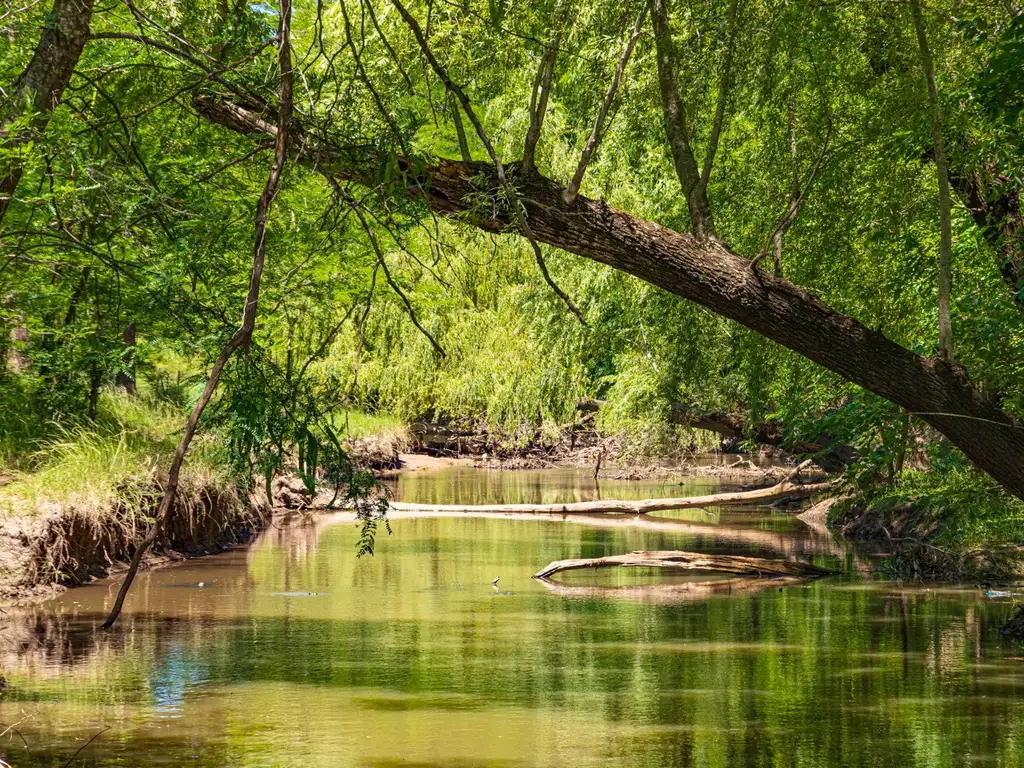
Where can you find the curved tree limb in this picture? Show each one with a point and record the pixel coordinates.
(243, 334)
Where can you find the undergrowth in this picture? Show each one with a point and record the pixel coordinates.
(950, 522)
(100, 466)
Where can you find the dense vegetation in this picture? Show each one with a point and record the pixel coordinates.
(408, 272)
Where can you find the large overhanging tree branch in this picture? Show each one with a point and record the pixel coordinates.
(243, 334)
(37, 91)
(706, 272)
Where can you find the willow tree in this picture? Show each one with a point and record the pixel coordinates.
(670, 158)
(495, 195)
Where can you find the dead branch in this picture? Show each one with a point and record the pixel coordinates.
(786, 489)
(243, 334)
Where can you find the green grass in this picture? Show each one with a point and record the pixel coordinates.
(97, 466)
(360, 424)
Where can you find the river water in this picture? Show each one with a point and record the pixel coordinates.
(293, 652)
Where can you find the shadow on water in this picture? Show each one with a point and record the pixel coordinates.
(409, 658)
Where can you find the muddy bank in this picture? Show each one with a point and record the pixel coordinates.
(911, 533)
(49, 550)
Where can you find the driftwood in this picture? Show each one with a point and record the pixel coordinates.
(689, 561)
(787, 489)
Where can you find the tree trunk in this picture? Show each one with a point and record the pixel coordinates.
(945, 225)
(126, 376)
(38, 89)
(710, 274)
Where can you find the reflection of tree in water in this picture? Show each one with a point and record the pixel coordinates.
(671, 674)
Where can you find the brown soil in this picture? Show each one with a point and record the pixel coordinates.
(50, 551)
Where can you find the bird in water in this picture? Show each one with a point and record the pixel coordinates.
(495, 582)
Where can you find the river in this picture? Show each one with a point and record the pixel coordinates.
(293, 652)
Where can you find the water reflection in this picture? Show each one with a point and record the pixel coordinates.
(410, 658)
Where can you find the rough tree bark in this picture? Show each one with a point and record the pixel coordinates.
(244, 332)
(37, 91)
(707, 272)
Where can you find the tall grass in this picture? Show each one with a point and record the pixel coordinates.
(98, 466)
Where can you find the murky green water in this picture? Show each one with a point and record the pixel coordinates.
(412, 658)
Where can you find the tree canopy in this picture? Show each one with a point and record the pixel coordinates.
(767, 169)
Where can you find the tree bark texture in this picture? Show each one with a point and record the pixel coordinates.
(38, 89)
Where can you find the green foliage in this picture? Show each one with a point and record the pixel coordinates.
(133, 208)
(108, 463)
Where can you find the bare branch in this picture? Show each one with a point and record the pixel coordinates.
(243, 334)
(595, 135)
(723, 97)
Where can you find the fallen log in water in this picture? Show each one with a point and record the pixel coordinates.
(689, 561)
(786, 489)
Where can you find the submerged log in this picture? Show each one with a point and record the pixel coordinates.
(678, 560)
